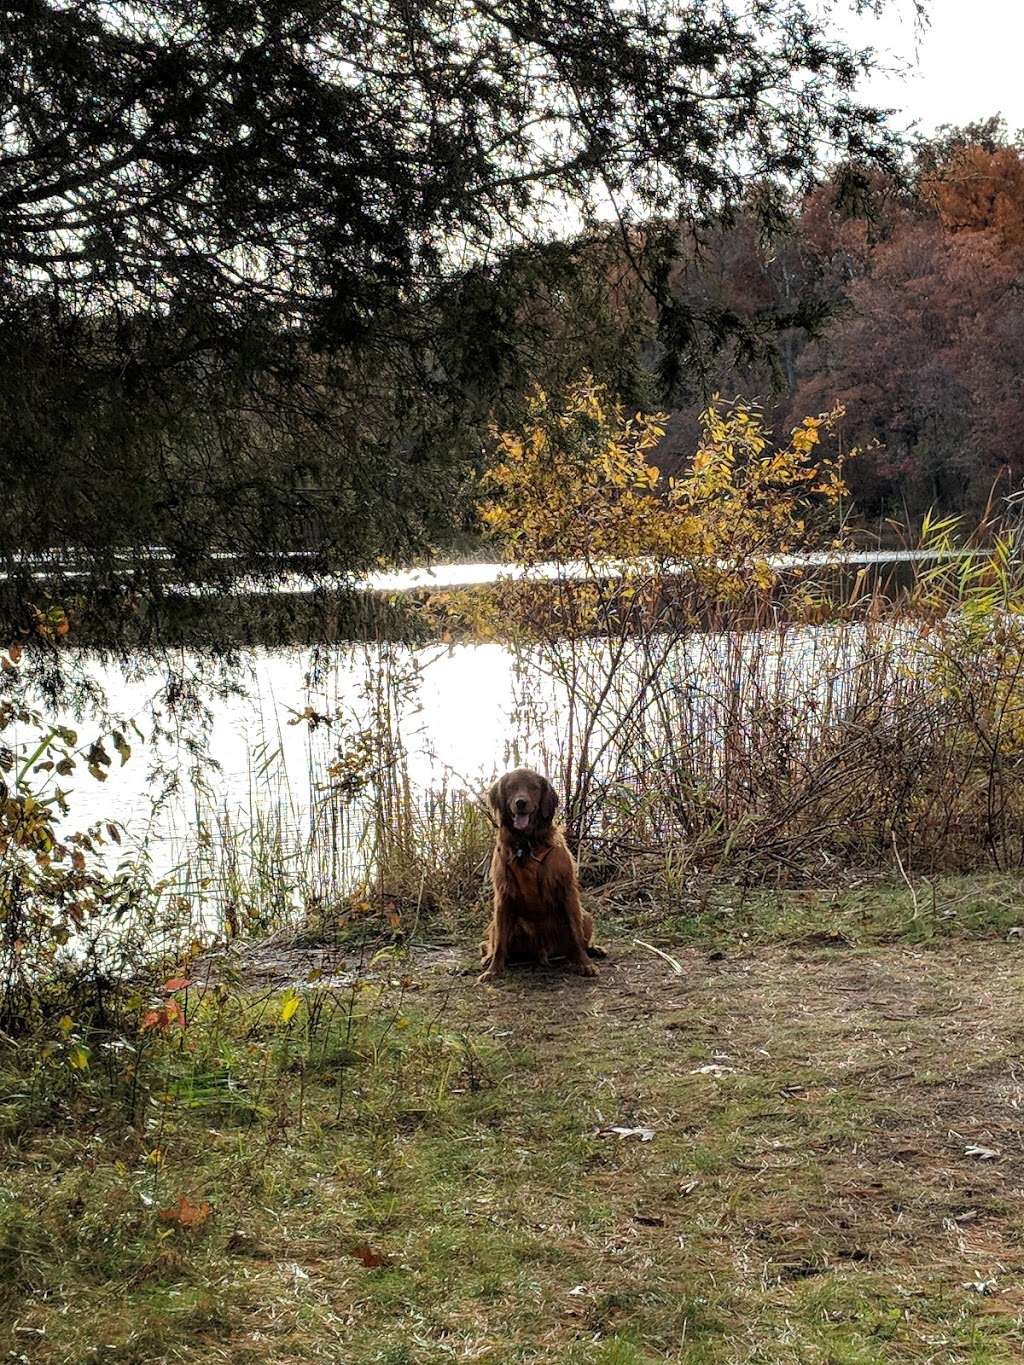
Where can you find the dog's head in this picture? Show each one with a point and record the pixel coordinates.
(524, 801)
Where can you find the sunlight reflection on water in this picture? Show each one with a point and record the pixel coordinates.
(472, 711)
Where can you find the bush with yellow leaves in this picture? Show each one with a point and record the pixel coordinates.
(613, 566)
(576, 492)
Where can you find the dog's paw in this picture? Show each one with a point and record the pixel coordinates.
(586, 969)
(486, 977)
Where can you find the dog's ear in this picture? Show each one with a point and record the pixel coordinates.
(548, 801)
(494, 796)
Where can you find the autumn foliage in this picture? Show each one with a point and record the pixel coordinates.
(578, 486)
(615, 566)
(659, 608)
(901, 302)
(979, 190)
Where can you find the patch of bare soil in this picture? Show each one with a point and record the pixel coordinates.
(279, 962)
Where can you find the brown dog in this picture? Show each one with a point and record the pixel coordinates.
(537, 911)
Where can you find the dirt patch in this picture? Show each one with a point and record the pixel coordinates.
(280, 962)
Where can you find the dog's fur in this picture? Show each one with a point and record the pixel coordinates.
(537, 912)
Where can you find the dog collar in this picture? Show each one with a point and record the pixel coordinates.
(520, 854)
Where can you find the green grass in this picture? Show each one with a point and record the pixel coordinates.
(854, 910)
(809, 1200)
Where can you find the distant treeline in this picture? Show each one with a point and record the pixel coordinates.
(900, 297)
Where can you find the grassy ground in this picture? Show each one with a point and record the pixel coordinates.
(436, 1177)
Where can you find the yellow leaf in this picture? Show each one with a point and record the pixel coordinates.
(78, 1058)
(288, 1008)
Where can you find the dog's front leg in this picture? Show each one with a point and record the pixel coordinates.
(498, 939)
(581, 962)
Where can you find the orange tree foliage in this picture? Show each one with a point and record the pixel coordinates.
(979, 190)
(899, 300)
(928, 354)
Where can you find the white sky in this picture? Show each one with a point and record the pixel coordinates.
(966, 65)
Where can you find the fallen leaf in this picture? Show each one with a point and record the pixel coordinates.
(982, 1153)
(980, 1286)
(713, 1069)
(177, 983)
(644, 1134)
(370, 1259)
(186, 1214)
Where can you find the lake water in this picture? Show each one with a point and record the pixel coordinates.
(248, 751)
(462, 713)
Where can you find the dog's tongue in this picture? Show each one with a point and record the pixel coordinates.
(521, 821)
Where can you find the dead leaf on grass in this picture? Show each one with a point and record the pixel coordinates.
(975, 1149)
(371, 1259)
(186, 1214)
(644, 1134)
(980, 1286)
(159, 1020)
